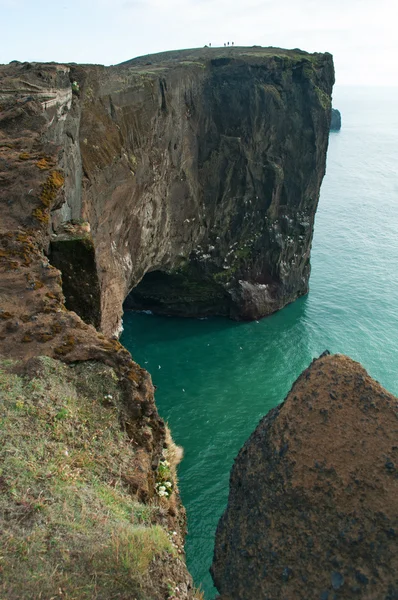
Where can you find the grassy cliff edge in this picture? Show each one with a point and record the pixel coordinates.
(72, 526)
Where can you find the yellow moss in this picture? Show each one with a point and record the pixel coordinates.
(68, 344)
(43, 164)
(41, 215)
(44, 337)
(13, 265)
(6, 315)
(134, 375)
(24, 156)
(52, 296)
(27, 338)
(114, 345)
(56, 328)
(24, 252)
(34, 283)
(50, 188)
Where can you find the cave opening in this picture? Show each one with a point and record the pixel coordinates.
(74, 256)
(184, 293)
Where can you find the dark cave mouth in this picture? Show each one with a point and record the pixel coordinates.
(74, 256)
(183, 293)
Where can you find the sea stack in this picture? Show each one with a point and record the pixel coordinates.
(313, 503)
(335, 122)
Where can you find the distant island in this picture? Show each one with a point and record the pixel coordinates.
(335, 123)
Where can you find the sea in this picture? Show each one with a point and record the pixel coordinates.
(216, 378)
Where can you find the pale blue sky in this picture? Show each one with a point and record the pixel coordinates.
(361, 34)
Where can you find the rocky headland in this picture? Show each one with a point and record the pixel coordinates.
(185, 182)
(198, 172)
(335, 121)
(313, 504)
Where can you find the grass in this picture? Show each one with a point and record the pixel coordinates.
(323, 98)
(70, 526)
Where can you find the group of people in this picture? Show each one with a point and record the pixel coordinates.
(225, 44)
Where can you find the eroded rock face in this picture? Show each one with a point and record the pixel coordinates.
(40, 192)
(202, 165)
(205, 165)
(313, 505)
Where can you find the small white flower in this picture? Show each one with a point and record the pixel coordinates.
(162, 488)
(167, 484)
(66, 453)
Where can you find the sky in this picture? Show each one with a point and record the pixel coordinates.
(361, 34)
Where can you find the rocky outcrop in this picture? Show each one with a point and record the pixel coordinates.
(202, 168)
(313, 505)
(39, 154)
(335, 121)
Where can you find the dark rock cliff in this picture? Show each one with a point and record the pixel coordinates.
(335, 122)
(313, 505)
(202, 168)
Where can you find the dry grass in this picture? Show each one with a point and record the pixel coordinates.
(70, 529)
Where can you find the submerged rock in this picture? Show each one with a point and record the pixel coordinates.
(335, 122)
(313, 504)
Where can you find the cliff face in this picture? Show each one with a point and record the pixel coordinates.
(92, 459)
(204, 168)
(201, 168)
(312, 511)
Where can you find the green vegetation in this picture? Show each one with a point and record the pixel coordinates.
(164, 485)
(239, 258)
(70, 527)
(323, 98)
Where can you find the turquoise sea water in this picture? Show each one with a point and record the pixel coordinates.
(217, 378)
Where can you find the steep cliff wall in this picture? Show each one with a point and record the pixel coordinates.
(83, 447)
(204, 168)
(313, 504)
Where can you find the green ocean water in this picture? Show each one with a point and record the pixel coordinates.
(217, 378)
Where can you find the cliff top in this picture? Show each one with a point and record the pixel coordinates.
(206, 54)
(190, 56)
